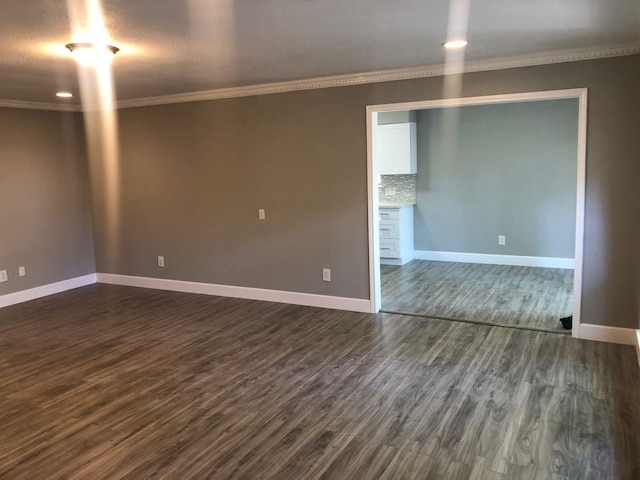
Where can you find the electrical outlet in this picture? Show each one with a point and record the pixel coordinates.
(326, 274)
(160, 261)
(261, 214)
(21, 271)
(502, 240)
(3, 276)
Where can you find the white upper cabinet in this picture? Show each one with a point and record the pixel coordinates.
(397, 149)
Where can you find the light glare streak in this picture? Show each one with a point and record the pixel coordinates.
(101, 124)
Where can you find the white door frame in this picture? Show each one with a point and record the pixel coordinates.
(372, 176)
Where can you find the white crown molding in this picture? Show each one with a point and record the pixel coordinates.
(56, 107)
(558, 56)
(519, 61)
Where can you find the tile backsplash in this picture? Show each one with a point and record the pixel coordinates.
(404, 185)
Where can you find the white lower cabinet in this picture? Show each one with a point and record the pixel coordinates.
(396, 235)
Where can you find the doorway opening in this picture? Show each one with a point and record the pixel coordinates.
(427, 262)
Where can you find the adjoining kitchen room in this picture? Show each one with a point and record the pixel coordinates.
(477, 212)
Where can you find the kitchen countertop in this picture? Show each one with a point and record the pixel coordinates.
(394, 204)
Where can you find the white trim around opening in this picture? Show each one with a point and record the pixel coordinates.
(372, 121)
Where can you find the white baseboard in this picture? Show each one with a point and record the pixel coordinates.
(517, 260)
(46, 290)
(249, 293)
(601, 333)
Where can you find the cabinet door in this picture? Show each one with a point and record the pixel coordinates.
(390, 248)
(390, 229)
(397, 148)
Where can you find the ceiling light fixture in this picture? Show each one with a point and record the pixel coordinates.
(455, 44)
(92, 54)
(64, 94)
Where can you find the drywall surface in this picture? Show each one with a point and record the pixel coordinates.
(506, 169)
(45, 221)
(194, 175)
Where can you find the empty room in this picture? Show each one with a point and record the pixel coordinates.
(194, 280)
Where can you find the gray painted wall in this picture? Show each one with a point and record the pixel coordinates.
(385, 118)
(511, 170)
(195, 174)
(45, 222)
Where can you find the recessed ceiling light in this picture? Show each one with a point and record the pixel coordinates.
(64, 94)
(91, 54)
(453, 44)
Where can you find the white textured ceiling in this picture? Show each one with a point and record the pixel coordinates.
(171, 47)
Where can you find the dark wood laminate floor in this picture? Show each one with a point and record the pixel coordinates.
(118, 382)
(526, 297)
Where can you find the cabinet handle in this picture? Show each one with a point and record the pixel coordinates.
(385, 229)
(384, 214)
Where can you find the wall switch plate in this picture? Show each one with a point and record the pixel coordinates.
(261, 214)
(21, 271)
(390, 191)
(326, 274)
(502, 240)
(3, 276)
(160, 261)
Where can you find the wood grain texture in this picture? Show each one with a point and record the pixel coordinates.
(118, 382)
(524, 297)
